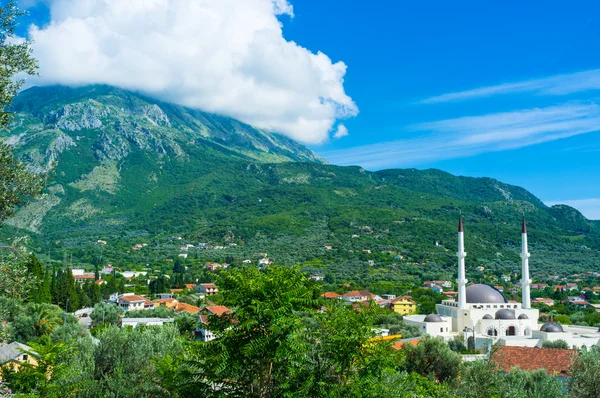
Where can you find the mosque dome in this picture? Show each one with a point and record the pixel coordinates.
(523, 316)
(433, 318)
(487, 316)
(552, 327)
(505, 314)
(486, 294)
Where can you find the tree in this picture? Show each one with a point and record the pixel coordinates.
(585, 374)
(105, 313)
(14, 279)
(556, 344)
(432, 357)
(16, 58)
(253, 346)
(43, 377)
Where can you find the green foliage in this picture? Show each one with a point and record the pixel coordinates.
(556, 344)
(585, 374)
(432, 358)
(106, 314)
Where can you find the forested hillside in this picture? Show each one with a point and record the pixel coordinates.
(126, 169)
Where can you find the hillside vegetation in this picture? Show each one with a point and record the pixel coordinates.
(128, 169)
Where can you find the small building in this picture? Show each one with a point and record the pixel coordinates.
(432, 324)
(135, 322)
(403, 305)
(331, 295)
(543, 300)
(356, 295)
(202, 332)
(206, 289)
(317, 277)
(130, 302)
(13, 356)
(84, 278)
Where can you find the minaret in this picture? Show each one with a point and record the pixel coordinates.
(525, 281)
(462, 281)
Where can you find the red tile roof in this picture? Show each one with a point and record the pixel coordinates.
(185, 307)
(189, 285)
(554, 361)
(217, 309)
(329, 295)
(132, 297)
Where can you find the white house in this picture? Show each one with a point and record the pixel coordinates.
(129, 302)
(135, 322)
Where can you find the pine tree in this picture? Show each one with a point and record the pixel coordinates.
(36, 270)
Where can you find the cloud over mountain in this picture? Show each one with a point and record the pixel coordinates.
(222, 56)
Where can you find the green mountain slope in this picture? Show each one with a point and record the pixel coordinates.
(130, 169)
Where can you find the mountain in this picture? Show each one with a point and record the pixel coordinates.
(129, 169)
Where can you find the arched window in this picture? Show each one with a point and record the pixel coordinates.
(511, 331)
(527, 332)
(492, 332)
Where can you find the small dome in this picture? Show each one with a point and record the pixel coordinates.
(487, 316)
(523, 316)
(480, 293)
(552, 327)
(505, 314)
(433, 318)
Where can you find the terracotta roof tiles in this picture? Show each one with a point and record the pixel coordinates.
(553, 361)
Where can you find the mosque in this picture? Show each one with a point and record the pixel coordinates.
(483, 316)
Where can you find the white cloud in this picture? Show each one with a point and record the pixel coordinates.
(342, 131)
(590, 208)
(223, 56)
(467, 136)
(554, 85)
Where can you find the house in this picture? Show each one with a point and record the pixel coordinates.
(183, 255)
(202, 332)
(367, 251)
(438, 289)
(446, 284)
(263, 262)
(539, 286)
(166, 302)
(185, 307)
(330, 295)
(403, 305)
(371, 262)
(388, 296)
(215, 266)
(317, 277)
(100, 282)
(12, 355)
(480, 268)
(559, 288)
(329, 247)
(84, 278)
(137, 246)
(164, 295)
(130, 302)
(107, 269)
(135, 322)
(101, 242)
(542, 300)
(247, 262)
(596, 289)
(499, 288)
(190, 286)
(571, 286)
(505, 278)
(554, 361)
(133, 274)
(206, 289)
(356, 295)
(450, 295)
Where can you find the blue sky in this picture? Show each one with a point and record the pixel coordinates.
(400, 54)
(509, 90)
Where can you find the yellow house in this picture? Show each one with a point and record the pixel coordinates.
(13, 356)
(404, 305)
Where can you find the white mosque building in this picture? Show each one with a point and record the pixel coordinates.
(483, 314)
